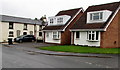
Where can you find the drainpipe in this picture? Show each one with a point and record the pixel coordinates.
(35, 31)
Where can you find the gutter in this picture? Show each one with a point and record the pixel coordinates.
(87, 30)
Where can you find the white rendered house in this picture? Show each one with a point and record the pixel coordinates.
(11, 27)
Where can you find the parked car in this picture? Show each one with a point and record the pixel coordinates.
(25, 38)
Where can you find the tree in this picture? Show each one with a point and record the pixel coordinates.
(43, 19)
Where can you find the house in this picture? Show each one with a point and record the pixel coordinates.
(99, 26)
(57, 30)
(11, 27)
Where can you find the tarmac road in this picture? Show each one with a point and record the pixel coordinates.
(16, 58)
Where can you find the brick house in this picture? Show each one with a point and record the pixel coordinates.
(11, 27)
(99, 26)
(57, 30)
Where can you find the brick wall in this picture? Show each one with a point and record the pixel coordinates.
(109, 38)
(119, 30)
(66, 35)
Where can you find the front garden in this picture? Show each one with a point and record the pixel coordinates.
(79, 49)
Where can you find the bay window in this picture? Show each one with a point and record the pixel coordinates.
(93, 35)
(55, 35)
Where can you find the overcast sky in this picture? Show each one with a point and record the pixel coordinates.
(38, 8)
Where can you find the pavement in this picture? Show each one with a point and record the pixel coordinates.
(31, 48)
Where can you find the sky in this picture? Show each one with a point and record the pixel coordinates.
(38, 8)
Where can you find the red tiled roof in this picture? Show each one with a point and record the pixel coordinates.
(82, 21)
(71, 12)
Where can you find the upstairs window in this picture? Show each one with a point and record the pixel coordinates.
(25, 26)
(55, 35)
(40, 33)
(40, 27)
(60, 20)
(51, 21)
(93, 35)
(11, 25)
(96, 16)
(31, 32)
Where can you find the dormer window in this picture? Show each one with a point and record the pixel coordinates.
(51, 21)
(96, 16)
(60, 20)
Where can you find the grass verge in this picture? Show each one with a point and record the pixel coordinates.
(79, 49)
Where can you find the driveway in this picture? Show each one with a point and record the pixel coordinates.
(28, 45)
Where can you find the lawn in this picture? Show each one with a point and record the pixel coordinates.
(79, 49)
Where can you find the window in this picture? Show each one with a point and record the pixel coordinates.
(51, 21)
(40, 33)
(18, 33)
(47, 34)
(96, 16)
(10, 25)
(55, 35)
(25, 26)
(11, 34)
(31, 32)
(77, 34)
(40, 27)
(93, 35)
(97, 34)
(60, 20)
(24, 33)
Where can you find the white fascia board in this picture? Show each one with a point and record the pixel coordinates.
(86, 30)
(51, 30)
(72, 19)
(112, 18)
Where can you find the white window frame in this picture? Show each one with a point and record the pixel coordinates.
(51, 21)
(25, 26)
(47, 34)
(18, 33)
(56, 35)
(31, 32)
(11, 34)
(91, 33)
(100, 16)
(60, 20)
